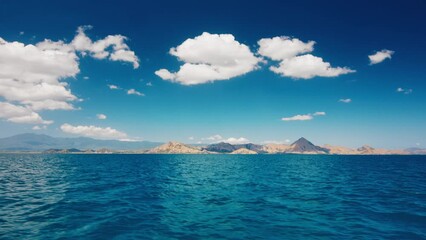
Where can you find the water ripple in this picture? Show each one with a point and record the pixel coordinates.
(212, 197)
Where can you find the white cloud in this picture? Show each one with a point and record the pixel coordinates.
(232, 140)
(210, 57)
(101, 116)
(380, 56)
(100, 48)
(405, 91)
(216, 137)
(345, 100)
(21, 33)
(308, 66)
(287, 50)
(134, 92)
(20, 114)
(149, 84)
(240, 140)
(280, 48)
(86, 78)
(319, 114)
(33, 75)
(165, 74)
(303, 117)
(30, 74)
(37, 128)
(93, 131)
(113, 87)
(191, 138)
(276, 142)
(299, 117)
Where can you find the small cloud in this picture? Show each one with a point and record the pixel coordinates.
(319, 114)
(85, 77)
(298, 117)
(113, 87)
(232, 140)
(240, 140)
(149, 84)
(36, 128)
(405, 91)
(380, 56)
(101, 116)
(21, 33)
(417, 144)
(129, 140)
(345, 100)
(303, 117)
(191, 138)
(216, 137)
(276, 142)
(93, 131)
(134, 92)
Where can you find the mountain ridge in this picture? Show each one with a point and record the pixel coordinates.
(30, 142)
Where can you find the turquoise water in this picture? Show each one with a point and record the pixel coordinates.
(212, 197)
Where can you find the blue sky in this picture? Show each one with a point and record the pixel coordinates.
(244, 100)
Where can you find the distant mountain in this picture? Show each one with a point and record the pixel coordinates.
(223, 147)
(302, 145)
(250, 146)
(48, 144)
(176, 148)
(415, 150)
(275, 148)
(340, 150)
(41, 142)
(243, 151)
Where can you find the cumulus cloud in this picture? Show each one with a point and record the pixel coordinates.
(20, 114)
(100, 49)
(101, 116)
(93, 131)
(345, 100)
(308, 66)
(303, 117)
(240, 140)
(32, 76)
(134, 92)
(380, 56)
(280, 48)
(292, 64)
(149, 84)
(404, 90)
(210, 57)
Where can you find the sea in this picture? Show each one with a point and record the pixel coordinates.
(144, 196)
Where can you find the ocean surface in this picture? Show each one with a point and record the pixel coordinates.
(212, 197)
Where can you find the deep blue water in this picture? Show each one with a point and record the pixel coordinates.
(212, 197)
